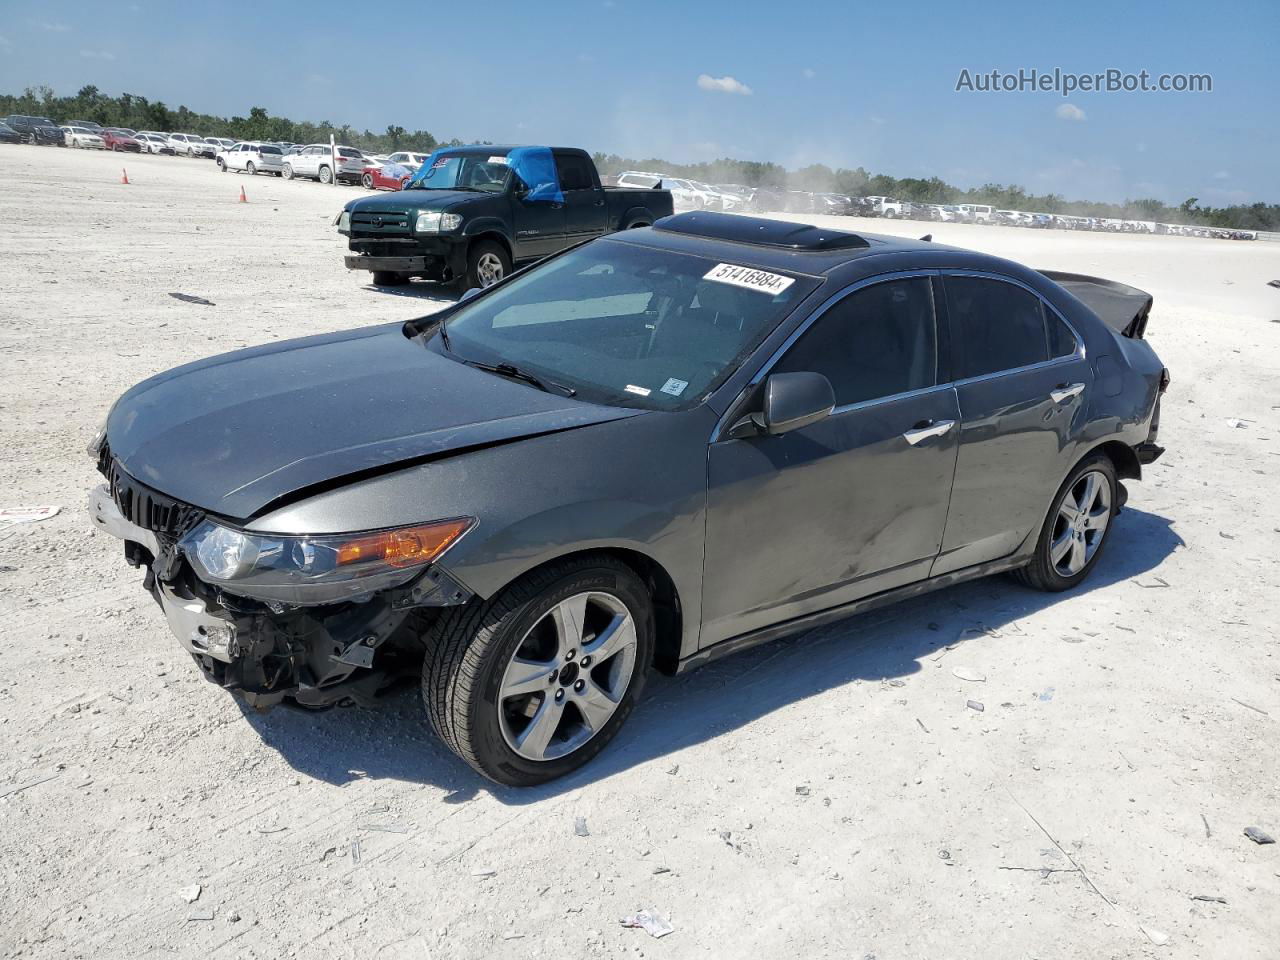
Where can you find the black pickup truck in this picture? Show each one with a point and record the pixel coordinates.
(474, 213)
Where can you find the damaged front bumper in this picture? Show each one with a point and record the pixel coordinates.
(316, 656)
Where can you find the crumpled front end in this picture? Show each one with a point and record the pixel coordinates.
(316, 655)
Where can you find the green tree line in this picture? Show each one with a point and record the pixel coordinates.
(139, 113)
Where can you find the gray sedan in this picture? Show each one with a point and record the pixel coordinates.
(646, 452)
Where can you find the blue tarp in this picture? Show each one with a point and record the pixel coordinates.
(535, 166)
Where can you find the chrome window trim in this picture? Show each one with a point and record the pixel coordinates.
(1077, 354)
(820, 311)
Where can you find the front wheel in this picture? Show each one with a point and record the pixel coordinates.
(250, 169)
(487, 263)
(534, 682)
(389, 278)
(367, 181)
(287, 172)
(1075, 531)
(326, 175)
(222, 165)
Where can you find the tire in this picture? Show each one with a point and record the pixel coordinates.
(287, 172)
(487, 263)
(250, 169)
(389, 278)
(222, 165)
(326, 175)
(470, 649)
(1086, 541)
(367, 181)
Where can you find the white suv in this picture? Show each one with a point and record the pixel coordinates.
(251, 157)
(188, 144)
(316, 161)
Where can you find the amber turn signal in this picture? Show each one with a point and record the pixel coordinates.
(406, 546)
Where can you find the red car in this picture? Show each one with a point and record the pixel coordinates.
(119, 141)
(390, 176)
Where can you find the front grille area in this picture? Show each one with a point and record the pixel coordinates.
(168, 518)
(385, 223)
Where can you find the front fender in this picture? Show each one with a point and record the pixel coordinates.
(478, 226)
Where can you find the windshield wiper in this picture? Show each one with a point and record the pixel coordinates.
(513, 372)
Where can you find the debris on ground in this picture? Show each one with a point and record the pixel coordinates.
(1273, 283)
(1251, 707)
(385, 827)
(201, 913)
(1208, 899)
(1205, 820)
(1160, 582)
(974, 705)
(673, 769)
(922, 726)
(12, 515)
(658, 871)
(355, 851)
(802, 791)
(650, 922)
(191, 298)
(330, 851)
(1238, 423)
(27, 784)
(1258, 836)
(1158, 937)
(580, 827)
(968, 673)
(190, 894)
(484, 873)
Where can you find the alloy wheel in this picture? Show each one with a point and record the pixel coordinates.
(1083, 517)
(489, 269)
(567, 676)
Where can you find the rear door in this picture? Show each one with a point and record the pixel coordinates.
(851, 505)
(585, 213)
(1022, 382)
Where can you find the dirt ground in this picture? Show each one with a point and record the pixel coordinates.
(828, 795)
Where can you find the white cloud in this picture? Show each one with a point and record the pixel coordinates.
(1069, 111)
(722, 85)
(97, 54)
(1222, 175)
(808, 73)
(53, 27)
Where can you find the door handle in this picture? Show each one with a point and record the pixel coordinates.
(1065, 391)
(926, 429)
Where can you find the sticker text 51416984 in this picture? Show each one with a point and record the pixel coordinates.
(749, 277)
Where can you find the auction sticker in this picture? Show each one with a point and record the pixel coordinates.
(638, 391)
(749, 277)
(502, 160)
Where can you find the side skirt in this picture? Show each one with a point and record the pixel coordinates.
(831, 615)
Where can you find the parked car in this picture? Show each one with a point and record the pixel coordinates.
(38, 130)
(155, 142)
(473, 213)
(251, 157)
(220, 143)
(120, 142)
(8, 134)
(472, 499)
(889, 207)
(387, 176)
(317, 162)
(81, 138)
(190, 145)
(408, 158)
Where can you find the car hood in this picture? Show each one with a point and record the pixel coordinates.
(415, 199)
(236, 433)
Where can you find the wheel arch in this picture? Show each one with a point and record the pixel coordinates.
(1121, 456)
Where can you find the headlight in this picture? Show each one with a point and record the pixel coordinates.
(316, 569)
(95, 445)
(433, 221)
(344, 221)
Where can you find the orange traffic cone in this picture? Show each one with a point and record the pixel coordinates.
(124, 175)
(243, 198)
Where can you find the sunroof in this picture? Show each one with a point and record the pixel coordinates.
(768, 233)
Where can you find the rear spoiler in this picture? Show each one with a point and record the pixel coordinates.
(1123, 308)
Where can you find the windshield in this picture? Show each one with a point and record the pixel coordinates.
(464, 172)
(624, 324)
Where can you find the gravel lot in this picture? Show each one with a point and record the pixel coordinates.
(829, 795)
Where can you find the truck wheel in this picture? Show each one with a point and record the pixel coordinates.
(367, 181)
(535, 681)
(326, 175)
(389, 278)
(222, 165)
(487, 263)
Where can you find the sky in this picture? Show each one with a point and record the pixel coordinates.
(843, 83)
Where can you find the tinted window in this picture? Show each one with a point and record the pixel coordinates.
(1062, 342)
(271, 150)
(999, 326)
(876, 342)
(573, 171)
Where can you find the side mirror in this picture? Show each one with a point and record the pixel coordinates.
(468, 294)
(791, 401)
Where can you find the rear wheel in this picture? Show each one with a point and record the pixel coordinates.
(1075, 531)
(326, 175)
(487, 263)
(534, 682)
(389, 278)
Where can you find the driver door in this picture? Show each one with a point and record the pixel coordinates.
(855, 503)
